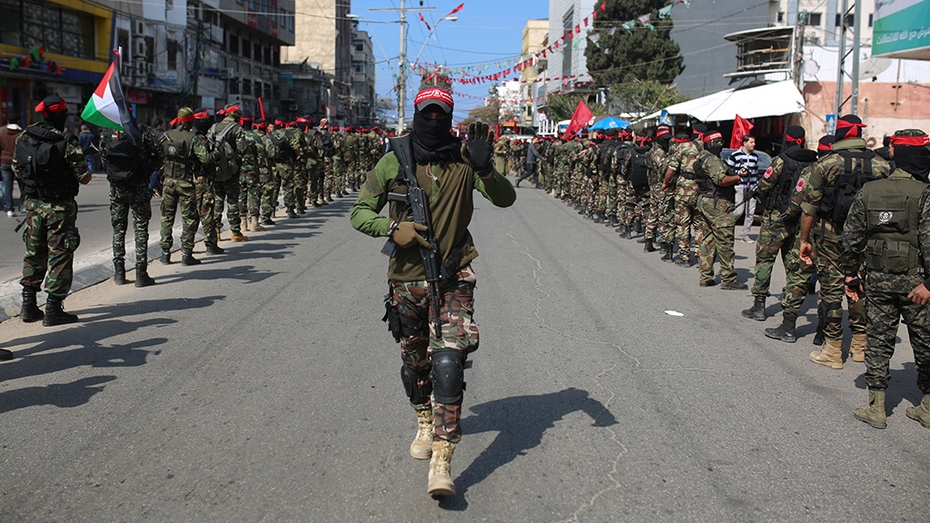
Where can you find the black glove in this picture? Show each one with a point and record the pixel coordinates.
(478, 150)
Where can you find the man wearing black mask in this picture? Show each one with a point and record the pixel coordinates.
(448, 170)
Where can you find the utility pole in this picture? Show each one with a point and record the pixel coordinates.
(402, 78)
(840, 73)
(855, 72)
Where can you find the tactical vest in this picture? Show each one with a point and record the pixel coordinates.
(179, 158)
(892, 215)
(46, 175)
(837, 199)
(123, 159)
(706, 186)
(638, 173)
(329, 150)
(779, 198)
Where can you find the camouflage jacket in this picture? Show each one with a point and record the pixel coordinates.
(682, 159)
(655, 162)
(251, 152)
(271, 150)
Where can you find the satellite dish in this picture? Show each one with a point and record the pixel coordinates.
(811, 68)
(873, 67)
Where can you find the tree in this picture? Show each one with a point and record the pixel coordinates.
(632, 51)
(636, 96)
(488, 113)
(562, 106)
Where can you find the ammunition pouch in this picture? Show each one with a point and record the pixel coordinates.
(399, 325)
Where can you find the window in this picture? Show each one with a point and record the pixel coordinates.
(870, 20)
(172, 49)
(266, 55)
(257, 89)
(282, 18)
(234, 86)
(781, 17)
(246, 48)
(814, 19)
(359, 47)
(257, 53)
(359, 67)
(849, 20)
(567, 27)
(290, 22)
(26, 24)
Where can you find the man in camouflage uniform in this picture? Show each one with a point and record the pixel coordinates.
(888, 231)
(131, 193)
(668, 211)
(327, 154)
(49, 190)
(305, 164)
(607, 179)
(518, 148)
(715, 214)
(349, 152)
(834, 179)
(226, 184)
(340, 177)
(681, 162)
(252, 158)
(778, 232)
(185, 153)
(204, 199)
(635, 172)
(655, 162)
(266, 176)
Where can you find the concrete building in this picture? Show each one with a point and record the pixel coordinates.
(362, 100)
(535, 38)
(324, 39)
(564, 16)
(822, 19)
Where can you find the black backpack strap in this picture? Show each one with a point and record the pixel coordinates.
(403, 150)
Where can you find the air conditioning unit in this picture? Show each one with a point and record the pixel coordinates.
(149, 68)
(138, 28)
(139, 47)
(141, 68)
(126, 70)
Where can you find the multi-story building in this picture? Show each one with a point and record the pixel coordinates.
(821, 19)
(324, 40)
(568, 66)
(535, 38)
(361, 107)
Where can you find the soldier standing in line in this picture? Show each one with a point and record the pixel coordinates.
(225, 137)
(623, 189)
(607, 180)
(266, 173)
(888, 230)
(636, 173)
(304, 165)
(185, 153)
(129, 168)
(252, 157)
(500, 154)
(655, 163)
(204, 199)
(715, 213)
(327, 154)
(681, 162)
(350, 150)
(779, 231)
(341, 180)
(289, 146)
(49, 189)
(669, 211)
(826, 198)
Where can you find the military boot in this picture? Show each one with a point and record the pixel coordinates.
(669, 253)
(440, 468)
(255, 225)
(188, 259)
(921, 413)
(611, 221)
(55, 314)
(30, 311)
(874, 414)
(650, 247)
(599, 217)
(818, 337)
(267, 221)
(637, 228)
(142, 276)
(785, 331)
(422, 446)
(329, 197)
(831, 355)
(239, 237)
(119, 272)
(213, 249)
(243, 224)
(627, 232)
(165, 257)
(857, 348)
(290, 213)
(757, 312)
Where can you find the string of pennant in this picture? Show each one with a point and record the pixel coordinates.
(489, 100)
(472, 74)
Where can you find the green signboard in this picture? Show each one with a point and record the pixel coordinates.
(901, 29)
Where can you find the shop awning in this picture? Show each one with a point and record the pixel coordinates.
(775, 99)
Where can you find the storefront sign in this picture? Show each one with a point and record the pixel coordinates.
(71, 93)
(901, 29)
(137, 97)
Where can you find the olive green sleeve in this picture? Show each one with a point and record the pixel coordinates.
(372, 198)
(497, 189)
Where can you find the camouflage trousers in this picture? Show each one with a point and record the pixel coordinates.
(329, 178)
(179, 193)
(285, 172)
(340, 182)
(250, 194)
(459, 332)
(51, 237)
(686, 212)
(136, 197)
(204, 201)
(667, 217)
(621, 195)
(301, 181)
(637, 205)
(589, 193)
(269, 199)
(315, 183)
(775, 237)
(797, 276)
(227, 193)
(603, 192)
(716, 220)
(886, 303)
(832, 280)
(653, 227)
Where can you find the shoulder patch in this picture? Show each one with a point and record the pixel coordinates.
(800, 186)
(768, 172)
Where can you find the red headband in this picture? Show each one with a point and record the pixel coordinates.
(202, 115)
(279, 122)
(186, 119)
(911, 141)
(54, 108)
(713, 136)
(792, 139)
(853, 128)
(244, 119)
(682, 140)
(231, 109)
(662, 131)
(823, 146)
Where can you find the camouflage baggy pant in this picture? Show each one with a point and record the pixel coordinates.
(250, 194)
(686, 211)
(136, 197)
(268, 189)
(886, 302)
(715, 216)
(775, 237)
(652, 227)
(832, 280)
(459, 332)
(667, 217)
(329, 178)
(301, 181)
(179, 193)
(637, 204)
(285, 173)
(797, 276)
(227, 193)
(340, 182)
(51, 237)
(204, 201)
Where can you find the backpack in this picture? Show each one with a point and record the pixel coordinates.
(228, 163)
(638, 172)
(780, 196)
(283, 146)
(328, 149)
(46, 172)
(123, 161)
(838, 199)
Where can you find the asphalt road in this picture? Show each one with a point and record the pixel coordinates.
(261, 386)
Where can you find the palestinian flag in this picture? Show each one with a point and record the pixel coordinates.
(108, 108)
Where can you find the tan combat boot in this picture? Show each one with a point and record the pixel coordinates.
(440, 466)
(422, 446)
(243, 224)
(874, 414)
(831, 355)
(920, 413)
(239, 237)
(857, 348)
(255, 225)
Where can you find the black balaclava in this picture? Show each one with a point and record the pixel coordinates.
(824, 145)
(794, 136)
(202, 120)
(911, 153)
(433, 140)
(848, 126)
(713, 143)
(54, 110)
(663, 137)
(697, 132)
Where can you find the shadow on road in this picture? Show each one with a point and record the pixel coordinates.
(60, 395)
(521, 422)
(244, 273)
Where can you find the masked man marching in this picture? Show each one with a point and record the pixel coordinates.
(430, 176)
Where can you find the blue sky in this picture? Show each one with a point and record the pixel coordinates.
(486, 31)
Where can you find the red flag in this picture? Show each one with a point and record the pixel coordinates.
(428, 28)
(457, 9)
(741, 128)
(579, 119)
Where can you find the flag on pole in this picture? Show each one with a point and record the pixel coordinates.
(457, 9)
(428, 28)
(581, 117)
(741, 127)
(107, 107)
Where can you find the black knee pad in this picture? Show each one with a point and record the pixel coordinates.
(418, 395)
(448, 375)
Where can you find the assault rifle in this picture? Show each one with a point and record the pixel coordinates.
(419, 206)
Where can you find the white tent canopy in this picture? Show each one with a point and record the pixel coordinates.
(775, 99)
